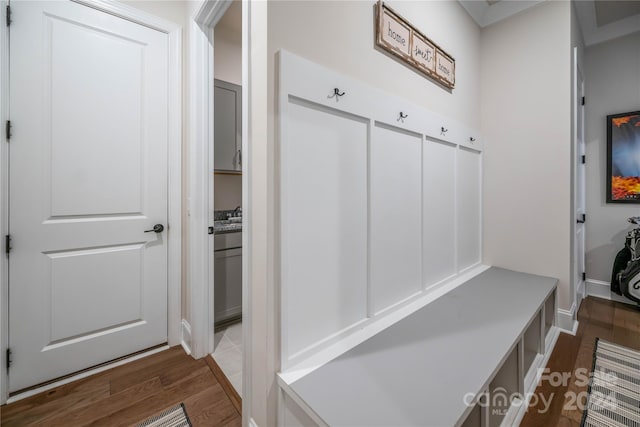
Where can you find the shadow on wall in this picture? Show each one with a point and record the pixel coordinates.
(600, 259)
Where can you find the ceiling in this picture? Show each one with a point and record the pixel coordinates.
(599, 20)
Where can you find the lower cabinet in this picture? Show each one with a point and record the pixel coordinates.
(228, 284)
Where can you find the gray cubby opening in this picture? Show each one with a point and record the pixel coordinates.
(504, 385)
(532, 340)
(474, 419)
(549, 313)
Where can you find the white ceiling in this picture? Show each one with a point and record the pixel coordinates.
(606, 20)
(599, 20)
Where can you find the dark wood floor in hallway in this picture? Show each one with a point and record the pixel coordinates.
(129, 394)
(608, 320)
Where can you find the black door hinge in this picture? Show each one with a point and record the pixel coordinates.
(583, 220)
(584, 276)
(9, 361)
(584, 159)
(7, 244)
(210, 230)
(8, 15)
(584, 100)
(7, 130)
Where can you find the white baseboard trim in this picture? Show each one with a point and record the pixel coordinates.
(84, 374)
(567, 320)
(186, 336)
(601, 289)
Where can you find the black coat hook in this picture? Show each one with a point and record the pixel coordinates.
(443, 130)
(402, 116)
(472, 139)
(336, 93)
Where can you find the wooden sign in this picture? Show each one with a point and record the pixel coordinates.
(398, 37)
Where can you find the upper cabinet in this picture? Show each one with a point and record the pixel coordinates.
(227, 126)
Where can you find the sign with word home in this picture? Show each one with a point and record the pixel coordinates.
(398, 37)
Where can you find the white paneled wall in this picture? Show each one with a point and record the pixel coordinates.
(469, 207)
(325, 205)
(395, 216)
(439, 207)
(375, 208)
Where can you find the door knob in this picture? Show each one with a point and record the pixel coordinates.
(158, 228)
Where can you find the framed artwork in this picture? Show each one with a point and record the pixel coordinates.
(397, 36)
(623, 158)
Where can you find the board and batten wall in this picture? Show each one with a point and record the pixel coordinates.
(375, 210)
(339, 35)
(612, 85)
(526, 121)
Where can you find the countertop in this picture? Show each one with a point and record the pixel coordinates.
(226, 226)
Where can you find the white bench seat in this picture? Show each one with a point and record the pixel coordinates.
(418, 371)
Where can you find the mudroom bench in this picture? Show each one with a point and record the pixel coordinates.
(480, 342)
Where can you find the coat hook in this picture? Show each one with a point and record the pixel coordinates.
(336, 93)
(472, 139)
(443, 130)
(402, 116)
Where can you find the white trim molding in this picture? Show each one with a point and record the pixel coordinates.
(567, 320)
(601, 289)
(174, 171)
(201, 264)
(4, 207)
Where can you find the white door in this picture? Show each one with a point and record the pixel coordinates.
(88, 176)
(580, 201)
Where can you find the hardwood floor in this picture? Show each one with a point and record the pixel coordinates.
(129, 394)
(608, 320)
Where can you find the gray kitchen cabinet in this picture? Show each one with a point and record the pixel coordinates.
(227, 126)
(227, 276)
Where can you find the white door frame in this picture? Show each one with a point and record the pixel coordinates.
(174, 213)
(578, 109)
(201, 209)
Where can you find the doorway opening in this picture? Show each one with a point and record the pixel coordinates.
(227, 195)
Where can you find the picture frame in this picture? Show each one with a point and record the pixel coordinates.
(402, 40)
(623, 158)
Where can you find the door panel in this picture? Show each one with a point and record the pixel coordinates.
(88, 176)
(85, 108)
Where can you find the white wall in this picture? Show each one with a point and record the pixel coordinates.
(612, 82)
(227, 193)
(227, 49)
(339, 35)
(526, 117)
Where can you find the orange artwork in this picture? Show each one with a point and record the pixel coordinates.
(622, 120)
(623, 158)
(624, 187)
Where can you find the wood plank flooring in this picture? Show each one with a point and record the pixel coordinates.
(608, 320)
(129, 394)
